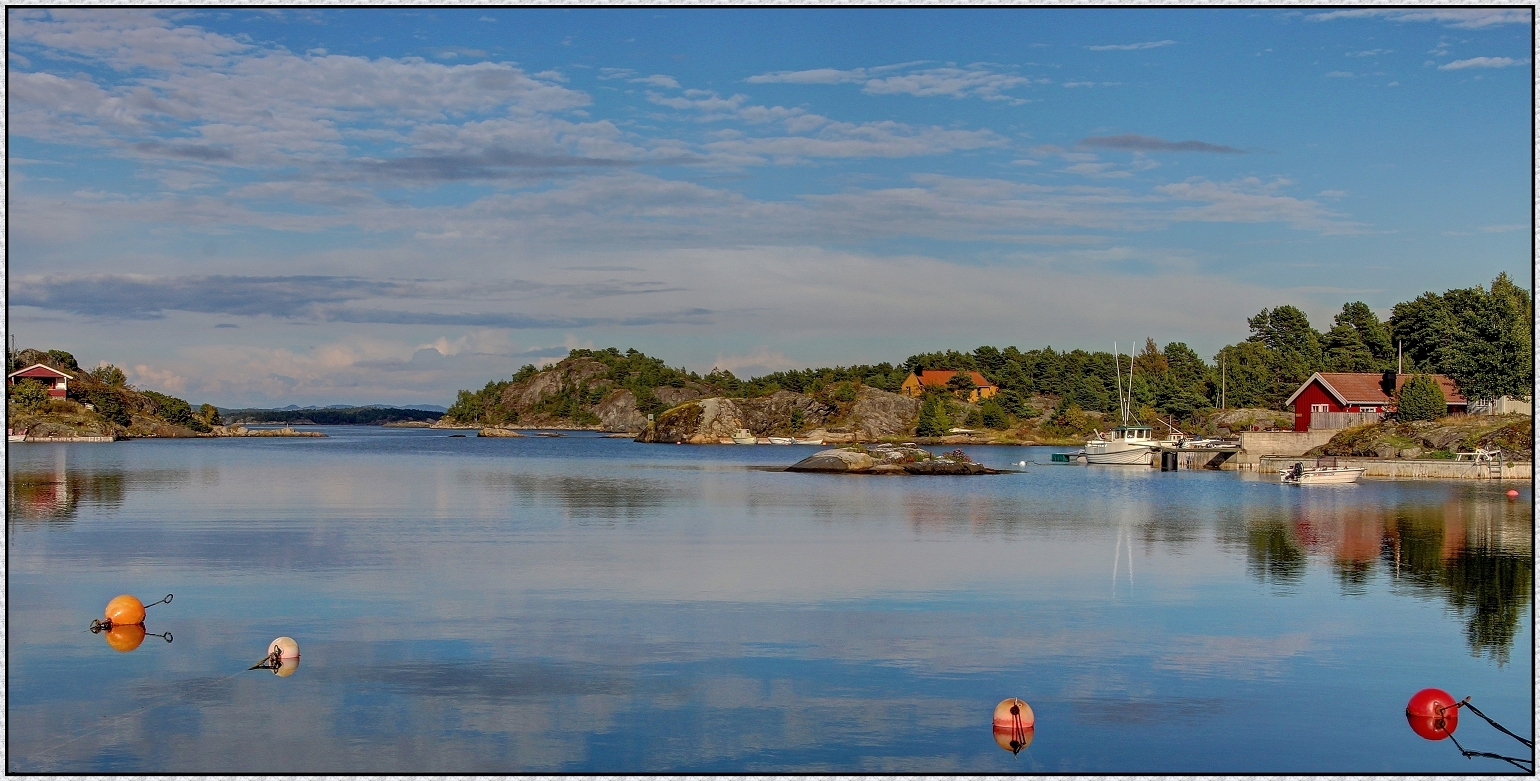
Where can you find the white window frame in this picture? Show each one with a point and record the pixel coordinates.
(1320, 408)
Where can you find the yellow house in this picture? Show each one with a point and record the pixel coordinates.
(937, 378)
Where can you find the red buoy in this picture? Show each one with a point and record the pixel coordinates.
(1513, 494)
(1432, 714)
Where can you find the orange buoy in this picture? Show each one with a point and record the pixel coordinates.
(284, 647)
(124, 609)
(1014, 713)
(125, 637)
(1432, 714)
(1013, 724)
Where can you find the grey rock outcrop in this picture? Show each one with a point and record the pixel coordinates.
(890, 460)
(617, 412)
(711, 420)
(873, 415)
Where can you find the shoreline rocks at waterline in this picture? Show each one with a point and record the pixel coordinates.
(890, 460)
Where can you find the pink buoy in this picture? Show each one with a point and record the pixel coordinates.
(1512, 494)
(284, 647)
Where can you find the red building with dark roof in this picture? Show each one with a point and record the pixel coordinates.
(1364, 392)
(55, 381)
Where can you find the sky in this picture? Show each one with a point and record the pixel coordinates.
(264, 206)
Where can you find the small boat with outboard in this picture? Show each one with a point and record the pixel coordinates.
(1299, 474)
(744, 437)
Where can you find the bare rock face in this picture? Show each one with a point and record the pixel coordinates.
(673, 397)
(618, 412)
(577, 372)
(878, 414)
(708, 421)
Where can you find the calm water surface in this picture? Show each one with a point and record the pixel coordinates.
(594, 605)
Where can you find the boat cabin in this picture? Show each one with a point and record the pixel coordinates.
(1133, 432)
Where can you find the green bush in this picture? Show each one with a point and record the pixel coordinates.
(992, 415)
(29, 394)
(844, 391)
(1420, 398)
(107, 374)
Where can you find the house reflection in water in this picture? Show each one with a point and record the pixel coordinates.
(1476, 554)
(49, 491)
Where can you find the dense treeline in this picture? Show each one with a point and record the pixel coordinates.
(1479, 336)
(339, 416)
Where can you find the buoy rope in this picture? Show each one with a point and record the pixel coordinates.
(1018, 731)
(1466, 703)
(270, 662)
(1516, 761)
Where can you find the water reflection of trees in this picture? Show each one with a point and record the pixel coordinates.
(1474, 553)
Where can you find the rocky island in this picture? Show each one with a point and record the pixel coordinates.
(884, 459)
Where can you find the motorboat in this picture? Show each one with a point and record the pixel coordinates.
(1299, 474)
(808, 441)
(15, 436)
(1127, 445)
(744, 437)
(782, 441)
(1131, 443)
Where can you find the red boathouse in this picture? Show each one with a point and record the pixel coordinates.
(1358, 392)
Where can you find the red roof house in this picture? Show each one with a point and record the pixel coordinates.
(1363, 392)
(938, 378)
(55, 381)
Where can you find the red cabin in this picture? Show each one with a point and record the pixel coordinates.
(55, 381)
(1358, 392)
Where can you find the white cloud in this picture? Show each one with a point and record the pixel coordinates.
(657, 80)
(1130, 46)
(760, 360)
(1466, 18)
(152, 378)
(978, 80)
(1253, 200)
(1481, 62)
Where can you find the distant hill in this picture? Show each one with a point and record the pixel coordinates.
(423, 407)
(373, 415)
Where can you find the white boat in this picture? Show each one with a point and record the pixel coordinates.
(14, 437)
(1299, 474)
(782, 441)
(810, 441)
(743, 437)
(1130, 444)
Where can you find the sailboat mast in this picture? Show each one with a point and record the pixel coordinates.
(1117, 373)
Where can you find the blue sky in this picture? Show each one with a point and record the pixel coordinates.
(272, 206)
